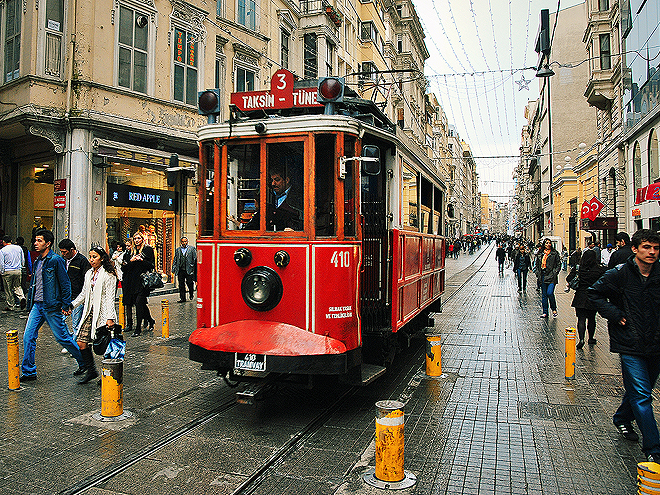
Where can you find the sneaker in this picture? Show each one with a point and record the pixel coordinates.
(543, 316)
(593, 341)
(554, 314)
(64, 351)
(79, 371)
(628, 433)
(580, 345)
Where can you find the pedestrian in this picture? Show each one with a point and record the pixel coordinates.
(98, 296)
(623, 250)
(49, 299)
(605, 255)
(521, 265)
(117, 255)
(12, 261)
(548, 265)
(451, 249)
(26, 272)
(500, 256)
(184, 268)
(457, 248)
(629, 297)
(76, 267)
(588, 271)
(138, 260)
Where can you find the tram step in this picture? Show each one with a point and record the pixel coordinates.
(368, 373)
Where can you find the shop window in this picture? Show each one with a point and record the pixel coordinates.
(310, 49)
(243, 187)
(247, 13)
(349, 188)
(54, 37)
(325, 185)
(133, 40)
(185, 66)
(286, 182)
(244, 79)
(409, 204)
(13, 18)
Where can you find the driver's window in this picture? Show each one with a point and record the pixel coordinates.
(286, 182)
(243, 167)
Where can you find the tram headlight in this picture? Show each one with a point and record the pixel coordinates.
(330, 89)
(261, 288)
(242, 257)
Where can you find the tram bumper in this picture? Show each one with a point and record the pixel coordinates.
(281, 347)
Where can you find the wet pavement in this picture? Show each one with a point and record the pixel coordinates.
(502, 420)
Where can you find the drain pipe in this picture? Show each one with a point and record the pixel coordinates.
(69, 75)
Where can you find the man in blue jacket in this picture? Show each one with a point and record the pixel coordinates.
(629, 297)
(49, 299)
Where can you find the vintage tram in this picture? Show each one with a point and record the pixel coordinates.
(317, 249)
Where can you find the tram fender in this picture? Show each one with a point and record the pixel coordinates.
(265, 337)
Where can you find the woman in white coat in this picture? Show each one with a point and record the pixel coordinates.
(98, 295)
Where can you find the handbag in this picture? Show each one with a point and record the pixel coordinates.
(104, 335)
(152, 280)
(575, 281)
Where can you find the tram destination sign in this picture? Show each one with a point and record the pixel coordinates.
(140, 197)
(282, 94)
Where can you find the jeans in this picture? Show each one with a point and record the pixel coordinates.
(522, 279)
(639, 376)
(76, 315)
(56, 321)
(500, 266)
(548, 295)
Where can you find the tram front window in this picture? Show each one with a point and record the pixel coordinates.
(286, 183)
(243, 185)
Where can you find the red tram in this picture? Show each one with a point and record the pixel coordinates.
(317, 244)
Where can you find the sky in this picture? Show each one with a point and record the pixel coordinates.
(480, 51)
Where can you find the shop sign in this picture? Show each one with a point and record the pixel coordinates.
(601, 223)
(59, 201)
(140, 197)
(636, 212)
(144, 159)
(59, 185)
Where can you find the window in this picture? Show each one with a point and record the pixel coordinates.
(324, 165)
(243, 170)
(133, 34)
(206, 202)
(218, 8)
(399, 43)
(409, 198)
(329, 57)
(13, 17)
(605, 59)
(349, 188)
(244, 79)
(284, 49)
(54, 35)
(369, 72)
(637, 166)
(654, 165)
(185, 67)
(247, 13)
(310, 54)
(368, 31)
(220, 75)
(286, 185)
(603, 5)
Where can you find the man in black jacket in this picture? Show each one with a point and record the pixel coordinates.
(623, 251)
(629, 297)
(76, 267)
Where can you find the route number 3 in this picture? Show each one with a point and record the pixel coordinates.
(282, 82)
(341, 259)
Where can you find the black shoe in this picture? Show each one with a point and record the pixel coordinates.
(628, 433)
(90, 374)
(23, 303)
(592, 342)
(181, 300)
(136, 333)
(28, 378)
(151, 325)
(79, 371)
(580, 344)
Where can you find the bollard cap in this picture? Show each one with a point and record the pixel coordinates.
(112, 361)
(11, 333)
(389, 405)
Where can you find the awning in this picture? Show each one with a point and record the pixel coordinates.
(137, 155)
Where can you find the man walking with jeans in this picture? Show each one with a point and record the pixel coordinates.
(629, 297)
(12, 261)
(49, 298)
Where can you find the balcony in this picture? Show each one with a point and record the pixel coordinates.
(601, 85)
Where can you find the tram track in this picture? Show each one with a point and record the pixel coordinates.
(260, 474)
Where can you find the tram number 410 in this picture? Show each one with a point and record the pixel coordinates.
(341, 259)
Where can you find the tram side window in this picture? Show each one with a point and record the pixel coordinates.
(427, 206)
(325, 185)
(349, 188)
(285, 163)
(409, 198)
(243, 167)
(207, 210)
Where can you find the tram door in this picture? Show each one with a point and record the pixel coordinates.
(376, 313)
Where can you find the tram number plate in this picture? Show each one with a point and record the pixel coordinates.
(252, 362)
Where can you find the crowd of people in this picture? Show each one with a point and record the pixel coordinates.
(75, 295)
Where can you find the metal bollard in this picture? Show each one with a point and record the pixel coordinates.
(112, 388)
(121, 317)
(389, 472)
(433, 356)
(165, 310)
(570, 353)
(12, 360)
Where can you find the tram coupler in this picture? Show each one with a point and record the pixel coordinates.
(363, 374)
(254, 391)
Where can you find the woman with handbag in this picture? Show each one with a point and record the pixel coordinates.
(548, 265)
(589, 271)
(136, 261)
(98, 296)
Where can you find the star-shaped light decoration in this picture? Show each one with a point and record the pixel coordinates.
(523, 83)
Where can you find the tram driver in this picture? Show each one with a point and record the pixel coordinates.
(285, 212)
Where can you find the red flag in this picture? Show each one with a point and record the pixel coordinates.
(595, 206)
(584, 213)
(653, 192)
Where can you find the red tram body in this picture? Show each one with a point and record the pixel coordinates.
(307, 263)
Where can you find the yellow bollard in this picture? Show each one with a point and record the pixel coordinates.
(570, 353)
(12, 360)
(165, 309)
(433, 356)
(112, 388)
(389, 441)
(120, 314)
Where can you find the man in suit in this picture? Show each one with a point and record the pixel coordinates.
(286, 212)
(184, 267)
